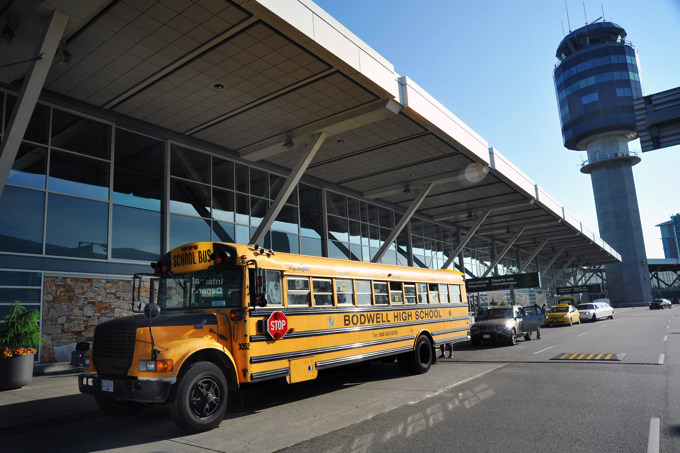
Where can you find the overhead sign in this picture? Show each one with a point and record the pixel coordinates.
(516, 281)
(277, 325)
(597, 288)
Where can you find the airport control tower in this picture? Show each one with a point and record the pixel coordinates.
(596, 81)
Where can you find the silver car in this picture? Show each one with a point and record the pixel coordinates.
(592, 311)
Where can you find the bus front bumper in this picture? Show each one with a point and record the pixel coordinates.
(125, 389)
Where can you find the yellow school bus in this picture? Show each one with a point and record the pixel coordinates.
(222, 315)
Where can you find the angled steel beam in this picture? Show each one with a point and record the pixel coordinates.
(30, 92)
(288, 186)
(403, 221)
(547, 266)
(554, 280)
(533, 254)
(503, 252)
(466, 239)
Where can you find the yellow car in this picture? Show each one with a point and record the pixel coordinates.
(563, 314)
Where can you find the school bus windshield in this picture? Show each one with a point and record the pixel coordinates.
(202, 289)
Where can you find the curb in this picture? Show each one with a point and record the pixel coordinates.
(43, 369)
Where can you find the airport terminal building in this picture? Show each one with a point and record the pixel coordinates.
(129, 128)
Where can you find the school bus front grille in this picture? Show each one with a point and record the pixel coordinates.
(112, 350)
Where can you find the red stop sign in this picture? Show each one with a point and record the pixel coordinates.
(277, 325)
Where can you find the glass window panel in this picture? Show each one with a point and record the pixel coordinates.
(338, 250)
(258, 209)
(386, 218)
(311, 223)
(11, 278)
(355, 252)
(380, 291)
(310, 246)
(189, 198)
(422, 293)
(188, 229)
(30, 167)
(337, 204)
(242, 234)
(223, 173)
(298, 291)
(223, 205)
(410, 292)
(38, 126)
(434, 293)
(138, 171)
(373, 217)
(272, 284)
(364, 293)
(79, 134)
(242, 209)
(80, 176)
(344, 291)
(323, 291)
(77, 227)
(21, 228)
(259, 184)
(454, 291)
(189, 164)
(444, 293)
(136, 234)
(354, 232)
(223, 232)
(338, 228)
(353, 211)
(242, 178)
(287, 220)
(285, 242)
(396, 294)
(23, 295)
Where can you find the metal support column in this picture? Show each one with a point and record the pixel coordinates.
(30, 92)
(288, 186)
(533, 255)
(403, 221)
(554, 280)
(503, 252)
(550, 263)
(468, 236)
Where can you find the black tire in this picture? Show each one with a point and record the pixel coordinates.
(200, 401)
(117, 408)
(594, 317)
(513, 337)
(527, 336)
(611, 316)
(420, 359)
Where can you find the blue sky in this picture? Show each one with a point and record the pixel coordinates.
(490, 62)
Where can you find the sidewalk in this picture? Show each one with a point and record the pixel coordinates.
(51, 398)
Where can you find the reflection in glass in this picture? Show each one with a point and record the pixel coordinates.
(30, 167)
(282, 242)
(259, 185)
(189, 198)
(79, 176)
(136, 234)
(85, 136)
(188, 229)
(21, 228)
(223, 205)
(39, 124)
(11, 278)
(223, 232)
(76, 227)
(138, 171)
(310, 246)
(223, 173)
(189, 164)
(286, 220)
(258, 209)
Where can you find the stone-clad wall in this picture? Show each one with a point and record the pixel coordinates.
(72, 307)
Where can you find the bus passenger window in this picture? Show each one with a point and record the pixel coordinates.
(396, 294)
(344, 292)
(298, 291)
(410, 291)
(381, 296)
(323, 291)
(434, 293)
(273, 288)
(422, 293)
(454, 291)
(444, 293)
(364, 295)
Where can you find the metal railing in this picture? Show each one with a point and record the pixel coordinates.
(608, 156)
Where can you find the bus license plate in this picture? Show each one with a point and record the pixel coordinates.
(107, 386)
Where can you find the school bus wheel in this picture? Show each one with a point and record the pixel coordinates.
(420, 359)
(201, 396)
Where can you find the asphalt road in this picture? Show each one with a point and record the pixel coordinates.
(540, 395)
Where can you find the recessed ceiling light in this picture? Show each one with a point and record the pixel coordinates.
(218, 86)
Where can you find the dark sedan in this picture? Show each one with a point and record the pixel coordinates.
(660, 304)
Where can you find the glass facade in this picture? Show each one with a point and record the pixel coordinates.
(596, 82)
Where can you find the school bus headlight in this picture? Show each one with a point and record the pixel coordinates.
(158, 366)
